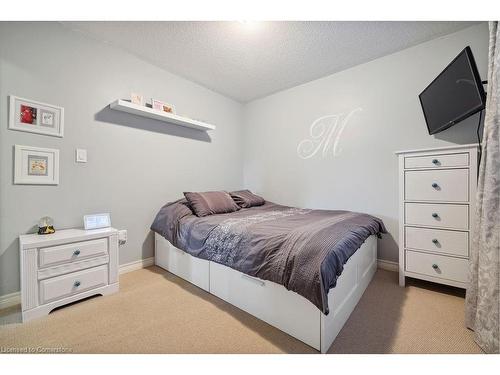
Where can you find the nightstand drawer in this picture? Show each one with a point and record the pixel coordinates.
(453, 216)
(451, 185)
(73, 283)
(440, 266)
(436, 161)
(438, 240)
(73, 252)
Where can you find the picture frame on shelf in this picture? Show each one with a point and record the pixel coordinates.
(162, 106)
(137, 99)
(35, 117)
(36, 165)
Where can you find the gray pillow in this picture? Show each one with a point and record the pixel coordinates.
(246, 199)
(211, 202)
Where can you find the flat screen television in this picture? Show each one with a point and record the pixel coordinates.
(455, 94)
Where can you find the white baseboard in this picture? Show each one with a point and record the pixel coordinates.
(13, 299)
(136, 265)
(388, 265)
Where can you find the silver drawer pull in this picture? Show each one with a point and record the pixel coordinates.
(76, 284)
(435, 185)
(435, 266)
(76, 252)
(250, 278)
(435, 161)
(435, 215)
(435, 241)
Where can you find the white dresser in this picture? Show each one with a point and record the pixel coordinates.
(60, 268)
(437, 191)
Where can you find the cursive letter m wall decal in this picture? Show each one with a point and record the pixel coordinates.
(324, 136)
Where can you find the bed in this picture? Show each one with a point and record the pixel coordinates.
(302, 271)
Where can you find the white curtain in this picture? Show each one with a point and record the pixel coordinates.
(482, 304)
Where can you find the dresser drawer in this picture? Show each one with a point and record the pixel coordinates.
(73, 283)
(452, 216)
(450, 185)
(455, 269)
(438, 240)
(76, 251)
(436, 161)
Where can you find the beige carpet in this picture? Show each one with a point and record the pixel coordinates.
(156, 312)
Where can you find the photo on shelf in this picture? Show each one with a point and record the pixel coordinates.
(162, 106)
(137, 99)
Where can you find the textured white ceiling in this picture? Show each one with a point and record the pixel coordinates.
(246, 61)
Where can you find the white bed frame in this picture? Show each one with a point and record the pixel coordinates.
(271, 302)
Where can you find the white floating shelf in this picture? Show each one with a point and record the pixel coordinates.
(125, 106)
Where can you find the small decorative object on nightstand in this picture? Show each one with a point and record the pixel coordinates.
(96, 221)
(65, 267)
(46, 225)
(437, 200)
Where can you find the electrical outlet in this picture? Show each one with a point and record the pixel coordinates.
(122, 236)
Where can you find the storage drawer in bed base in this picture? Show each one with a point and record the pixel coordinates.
(271, 302)
(268, 301)
(180, 263)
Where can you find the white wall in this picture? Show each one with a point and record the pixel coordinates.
(363, 174)
(134, 166)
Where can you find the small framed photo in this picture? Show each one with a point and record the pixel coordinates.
(96, 221)
(162, 106)
(36, 165)
(35, 117)
(137, 99)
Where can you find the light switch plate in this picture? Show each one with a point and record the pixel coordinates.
(81, 155)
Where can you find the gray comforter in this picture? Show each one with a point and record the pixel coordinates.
(304, 250)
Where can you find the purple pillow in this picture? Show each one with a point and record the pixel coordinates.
(211, 202)
(246, 199)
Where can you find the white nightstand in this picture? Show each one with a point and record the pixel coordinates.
(60, 268)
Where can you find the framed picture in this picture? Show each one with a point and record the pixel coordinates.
(36, 165)
(162, 106)
(96, 221)
(137, 99)
(35, 117)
